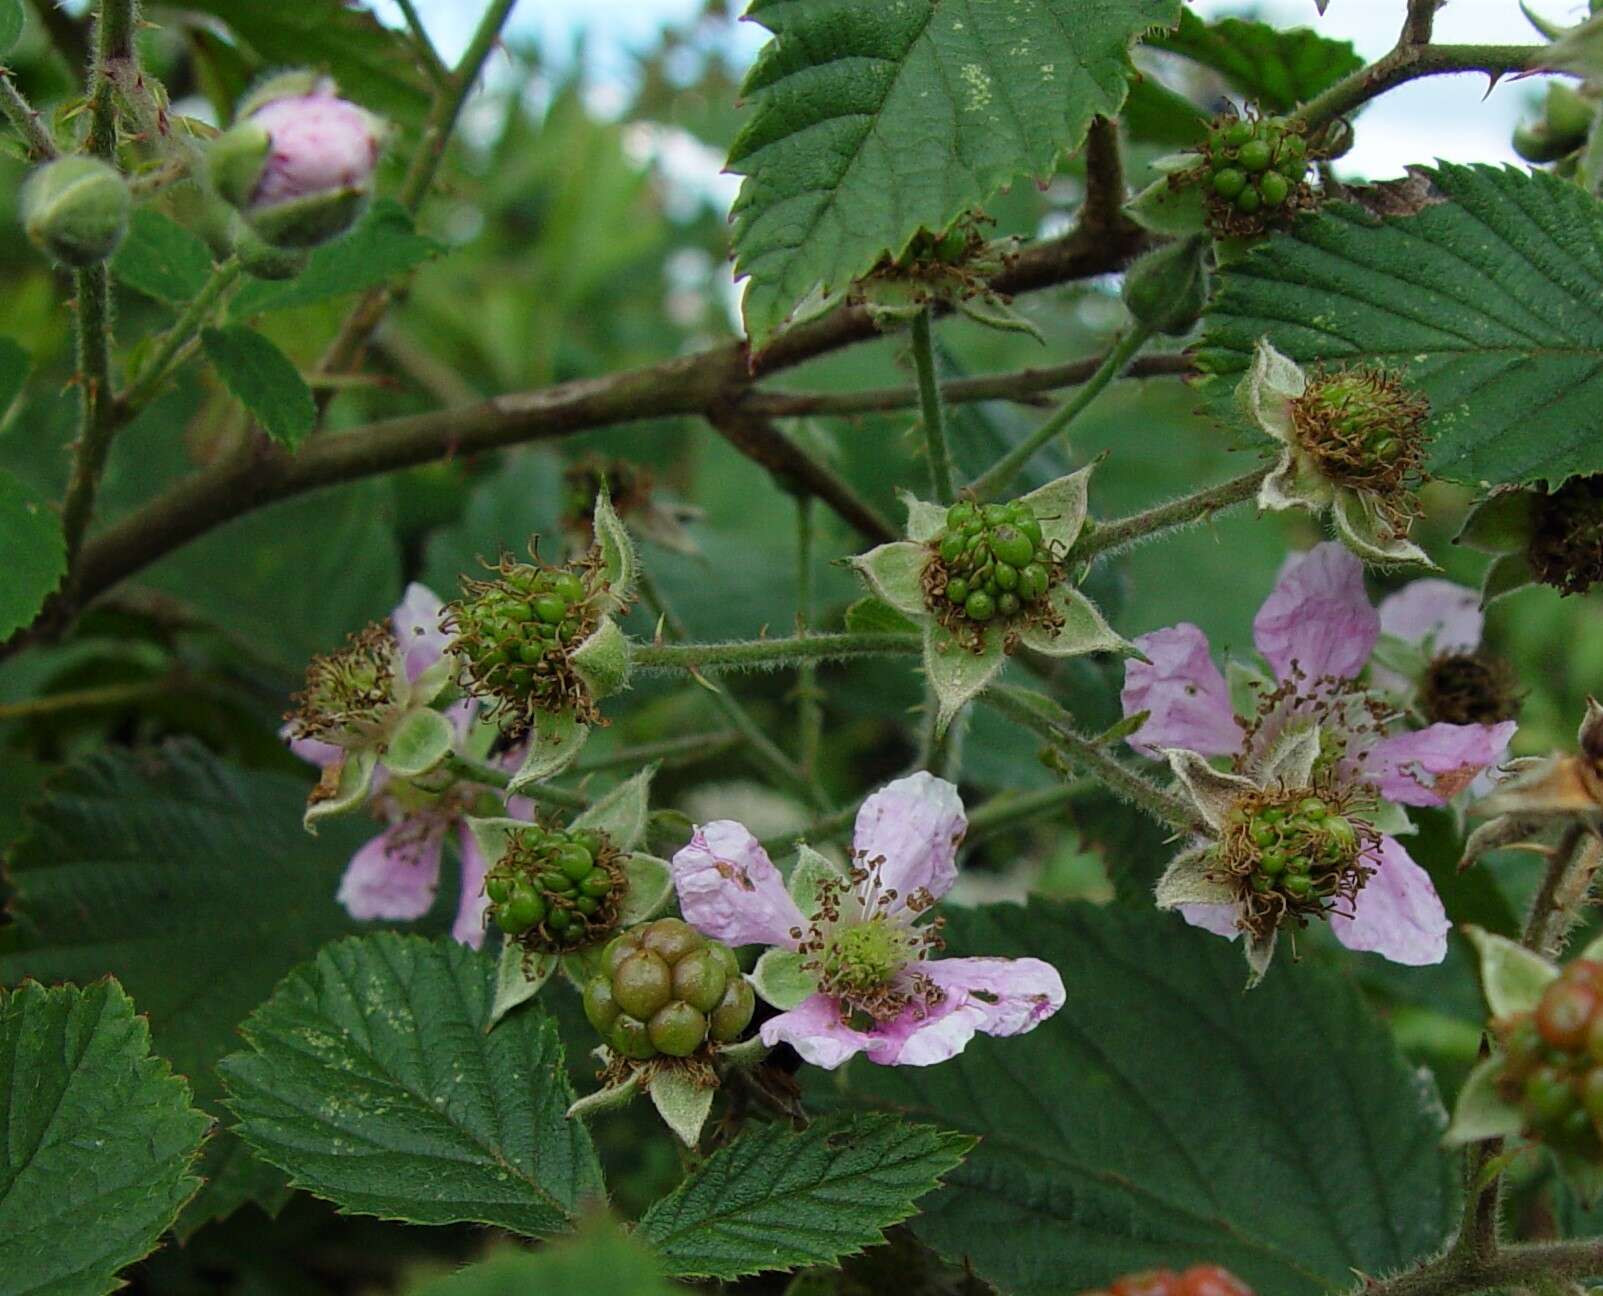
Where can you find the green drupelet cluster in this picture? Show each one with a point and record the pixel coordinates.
(990, 563)
(664, 990)
(1256, 169)
(555, 889)
(1295, 855)
(1553, 1062)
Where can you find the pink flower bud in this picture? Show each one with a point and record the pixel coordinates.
(318, 142)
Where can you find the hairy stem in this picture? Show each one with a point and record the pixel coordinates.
(1408, 63)
(114, 46)
(22, 115)
(809, 700)
(1564, 890)
(96, 426)
(474, 771)
(930, 411)
(766, 654)
(997, 477)
(1109, 537)
(670, 751)
(432, 61)
(176, 344)
(1040, 713)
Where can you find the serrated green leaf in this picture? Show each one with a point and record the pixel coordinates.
(162, 259)
(1490, 302)
(33, 553)
(1274, 68)
(373, 64)
(1163, 1117)
(383, 244)
(1155, 114)
(373, 1081)
(172, 872)
(774, 1199)
(264, 380)
(872, 120)
(100, 1139)
(601, 1261)
(11, 24)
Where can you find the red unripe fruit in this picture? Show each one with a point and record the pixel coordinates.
(1211, 1280)
(1565, 1013)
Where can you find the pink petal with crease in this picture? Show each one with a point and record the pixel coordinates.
(1447, 614)
(1014, 995)
(915, 825)
(1398, 914)
(1183, 692)
(1430, 766)
(417, 629)
(730, 890)
(468, 929)
(395, 874)
(1318, 616)
(1220, 919)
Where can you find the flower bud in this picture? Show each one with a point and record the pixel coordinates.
(1166, 289)
(299, 162)
(76, 209)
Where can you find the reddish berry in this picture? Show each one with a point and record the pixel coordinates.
(1565, 1013)
(1211, 1280)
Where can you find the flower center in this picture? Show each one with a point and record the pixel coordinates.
(1293, 854)
(1566, 550)
(990, 564)
(1365, 430)
(349, 699)
(554, 889)
(1469, 688)
(513, 637)
(863, 958)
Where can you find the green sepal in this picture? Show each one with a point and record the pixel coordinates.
(1503, 522)
(1481, 1112)
(1506, 574)
(895, 572)
(1289, 762)
(1512, 976)
(1360, 528)
(310, 221)
(925, 521)
(870, 615)
(780, 979)
(650, 887)
(554, 744)
(420, 742)
(261, 260)
(434, 679)
(682, 1103)
(955, 673)
(601, 1100)
(1187, 880)
(490, 836)
(1260, 952)
(1168, 208)
(519, 976)
(1083, 631)
(1060, 507)
(602, 661)
(996, 314)
(621, 813)
(620, 563)
(234, 162)
(808, 876)
(293, 83)
(579, 965)
(1246, 686)
(742, 1056)
(354, 781)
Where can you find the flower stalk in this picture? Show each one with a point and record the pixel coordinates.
(929, 403)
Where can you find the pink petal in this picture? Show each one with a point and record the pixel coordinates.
(313, 750)
(468, 929)
(927, 1037)
(1430, 766)
(815, 1030)
(1012, 995)
(1184, 693)
(395, 874)
(318, 142)
(914, 825)
(1220, 919)
(1318, 616)
(1447, 614)
(417, 630)
(1398, 913)
(730, 889)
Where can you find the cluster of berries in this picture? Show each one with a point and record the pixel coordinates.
(1256, 169)
(1365, 428)
(664, 990)
(1294, 854)
(1553, 1062)
(1199, 1280)
(514, 637)
(555, 889)
(990, 562)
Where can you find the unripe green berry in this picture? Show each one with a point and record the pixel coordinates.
(1010, 545)
(523, 909)
(699, 980)
(1274, 187)
(1236, 133)
(956, 590)
(979, 606)
(733, 1014)
(575, 861)
(671, 939)
(599, 1006)
(1549, 1097)
(677, 1029)
(630, 1038)
(618, 948)
(1228, 182)
(642, 984)
(1564, 1015)
(1248, 201)
(1008, 605)
(1255, 155)
(76, 209)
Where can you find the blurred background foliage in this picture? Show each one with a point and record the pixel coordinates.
(573, 246)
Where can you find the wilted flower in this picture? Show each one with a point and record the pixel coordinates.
(1299, 825)
(853, 963)
(985, 580)
(1553, 538)
(1353, 442)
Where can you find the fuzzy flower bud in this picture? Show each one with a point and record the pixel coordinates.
(1166, 290)
(76, 209)
(299, 162)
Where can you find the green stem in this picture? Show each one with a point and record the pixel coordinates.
(1038, 712)
(20, 113)
(1458, 1274)
(465, 767)
(1408, 63)
(992, 481)
(695, 747)
(114, 44)
(809, 701)
(96, 426)
(175, 345)
(425, 44)
(1109, 537)
(929, 403)
(1013, 809)
(768, 654)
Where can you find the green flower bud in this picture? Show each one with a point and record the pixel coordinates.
(76, 209)
(1167, 289)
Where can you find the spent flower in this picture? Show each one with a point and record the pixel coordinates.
(1549, 537)
(852, 965)
(1352, 441)
(1300, 825)
(983, 580)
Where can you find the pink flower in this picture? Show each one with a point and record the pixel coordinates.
(317, 142)
(851, 962)
(1316, 729)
